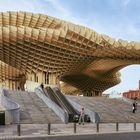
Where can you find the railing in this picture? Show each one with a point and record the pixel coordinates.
(73, 128)
(67, 129)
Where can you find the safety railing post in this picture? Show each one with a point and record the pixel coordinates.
(135, 127)
(49, 128)
(97, 127)
(74, 127)
(18, 129)
(117, 126)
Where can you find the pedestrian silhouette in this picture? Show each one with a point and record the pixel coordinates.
(134, 107)
(82, 116)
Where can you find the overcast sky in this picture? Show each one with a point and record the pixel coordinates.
(116, 18)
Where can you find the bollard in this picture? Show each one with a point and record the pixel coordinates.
(18, 129)
(97, 127)
(49, 128)
(117, 126)
(74, 127)
(135, 127)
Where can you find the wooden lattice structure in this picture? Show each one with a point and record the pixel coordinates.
(31, 43)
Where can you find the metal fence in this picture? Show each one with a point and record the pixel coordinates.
(66, 129)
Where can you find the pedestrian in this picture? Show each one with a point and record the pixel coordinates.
(42, 86)
(82, 116)
(18, 88)
(134, 107)
(135, 101)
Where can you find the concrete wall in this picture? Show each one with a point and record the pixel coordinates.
(12, 109)
(115, 95)
(30, 86)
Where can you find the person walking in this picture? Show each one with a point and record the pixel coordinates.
(134, 107)
(82, 116)
(42, 86)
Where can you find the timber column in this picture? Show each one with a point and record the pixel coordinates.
(22, 80)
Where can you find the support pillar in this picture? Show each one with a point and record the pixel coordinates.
(40, 77)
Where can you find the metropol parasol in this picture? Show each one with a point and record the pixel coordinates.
(48, 50)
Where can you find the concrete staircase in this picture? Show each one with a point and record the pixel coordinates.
(33, 109)
(110, 110)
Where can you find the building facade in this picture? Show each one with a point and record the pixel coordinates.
(133, 94)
